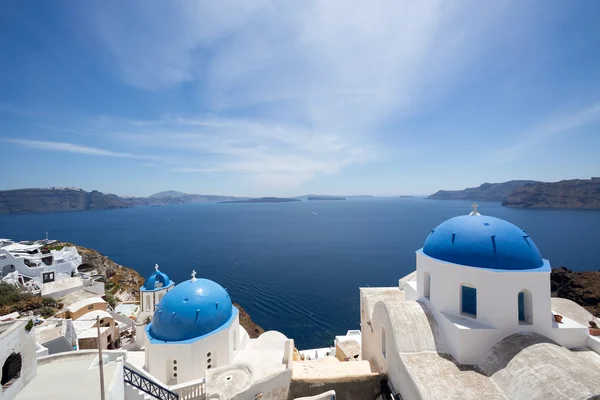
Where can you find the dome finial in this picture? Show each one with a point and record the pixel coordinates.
(156, 267)
(474, 213)
(194, 275)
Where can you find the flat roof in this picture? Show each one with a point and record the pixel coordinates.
(84, 303)
(49, 331)
(62, 284)
(75, 297)
(68, 377)
(91, 333)
(20, 246)
(94, 314)
(127, 309)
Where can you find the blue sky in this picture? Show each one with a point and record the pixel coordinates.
(285, 98)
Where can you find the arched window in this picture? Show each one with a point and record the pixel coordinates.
(427, 285)
(11, 370)
(468, 300)
(147, 301)
(383, 343)
(525, 307)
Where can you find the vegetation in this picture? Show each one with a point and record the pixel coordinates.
(13, 300)
(56, 247)
(29, 325)
(110, 299)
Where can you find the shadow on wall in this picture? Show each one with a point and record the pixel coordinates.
(360, 388)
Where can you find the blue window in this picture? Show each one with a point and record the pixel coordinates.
(468, 300)
(521, 306)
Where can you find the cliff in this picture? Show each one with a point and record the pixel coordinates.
(574, 193)
(486, 191)
(71, 199)
(581, 287)
(252, 328)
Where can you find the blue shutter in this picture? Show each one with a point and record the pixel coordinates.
(469, 300)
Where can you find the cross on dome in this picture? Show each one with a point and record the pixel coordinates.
(156, 267)
(193, 275)
(474, 213)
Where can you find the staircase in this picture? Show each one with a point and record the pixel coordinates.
(147, 389)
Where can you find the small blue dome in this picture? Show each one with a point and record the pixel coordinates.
(482, 241)
(191, 309)
(157, 280)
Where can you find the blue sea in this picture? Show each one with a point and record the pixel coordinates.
(296, 267)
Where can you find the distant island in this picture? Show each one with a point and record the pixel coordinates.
(333, 197)
(74, 199)
(262, 200)
(573, 193)
(405, 196)
(325, 198)
(486, 191)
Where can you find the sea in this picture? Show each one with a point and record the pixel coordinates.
(297, 267)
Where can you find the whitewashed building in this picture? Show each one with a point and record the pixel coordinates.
(480, 293)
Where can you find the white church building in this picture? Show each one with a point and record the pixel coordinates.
(477, 313)
(190, 341)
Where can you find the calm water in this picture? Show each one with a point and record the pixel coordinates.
(293, 270)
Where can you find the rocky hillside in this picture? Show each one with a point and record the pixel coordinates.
(49, 200)
(581, 287)
(121, 282)
(574, 193)
(253, 330)
(72, 199)
(486, 191)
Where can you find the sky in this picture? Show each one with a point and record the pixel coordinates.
(281, 98)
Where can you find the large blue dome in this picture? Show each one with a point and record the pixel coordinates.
(191, 309)
(485, 242)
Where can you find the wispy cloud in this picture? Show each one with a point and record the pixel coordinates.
(282, 91)
(67, 147)
(321, 62)
(268, 152)
(562, 124)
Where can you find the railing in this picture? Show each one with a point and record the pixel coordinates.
(147, 386)
(193, 390)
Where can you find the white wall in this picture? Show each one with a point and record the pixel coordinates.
(16, 339)
(497, 307)
(116, 389)
(192, 359)
(273, 387)
(371, 349)
(497, 292)
(497, 303)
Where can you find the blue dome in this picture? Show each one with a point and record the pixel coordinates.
(482, 241)
(191, 309)
(157, 280)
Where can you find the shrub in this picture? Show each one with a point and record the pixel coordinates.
(110, 299)
(49, 302)
(47, 312)
(9, 294)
